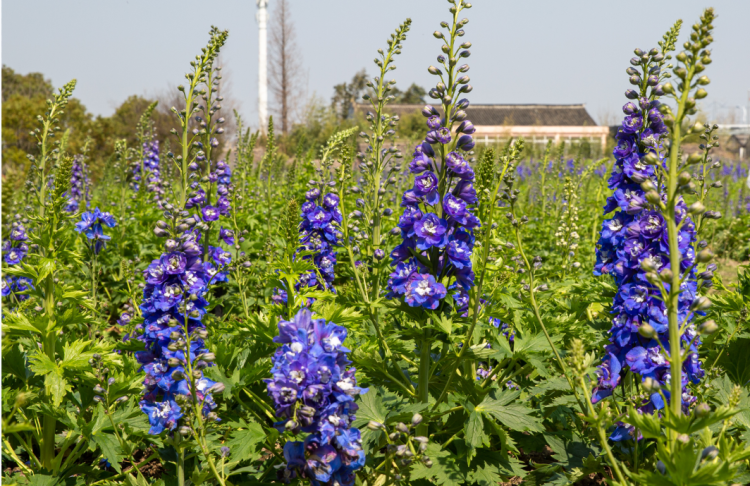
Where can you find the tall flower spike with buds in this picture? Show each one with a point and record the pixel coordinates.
(635, 248)
(173, 299)
(437, 222)
(313, 392)
(172, 309)
(79, 186)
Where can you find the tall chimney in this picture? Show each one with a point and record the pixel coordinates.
(262, 17)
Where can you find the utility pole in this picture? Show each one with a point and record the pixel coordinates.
(262, 18)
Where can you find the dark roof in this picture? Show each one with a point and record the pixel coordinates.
(512, 115)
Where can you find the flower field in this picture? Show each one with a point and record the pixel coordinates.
(382, 309)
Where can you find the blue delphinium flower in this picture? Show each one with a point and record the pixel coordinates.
(15, 249)
(79, 185)
(152, 169)
(633, 235)
(223, 175)
(172, 308)
(91, 226)
(437, 222)
(319, 233)
(313, 392)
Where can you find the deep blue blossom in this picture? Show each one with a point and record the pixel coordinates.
(313, 393)
(437, 222)
(635, 233)
(151, 168)
(172, 308)
(319, 233)
(91, 225)
(79, 186)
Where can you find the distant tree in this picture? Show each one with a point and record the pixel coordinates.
(24, 98)
(346, 95)
(285, 67)
(414, 95)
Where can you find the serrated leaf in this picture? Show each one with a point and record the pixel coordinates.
(474, 429)
(242, 442)
(110, 448)
(370, 408)
(45, 267)
(514, 415)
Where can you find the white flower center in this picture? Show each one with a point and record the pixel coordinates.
(423, 288)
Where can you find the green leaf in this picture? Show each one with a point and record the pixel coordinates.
(514, 415)
(647, 424)
(443, 322)
(46, 267)
(18, 322)
(243, 441)
(110, 448)
(736, 361)
(474, 428)
(370, 408)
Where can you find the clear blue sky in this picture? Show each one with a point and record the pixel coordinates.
(572, 51)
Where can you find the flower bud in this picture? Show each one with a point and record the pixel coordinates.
(185, 431)
(650, 159)
(712, 215)
(702, 303)
(373, 425)
(696, 208)
(705, 256)
(631, 94)
(683, 178)
(647, 330)
(401, 427)
(416, 419)
(653, 197)
(711, 452)
(648, 265)
(666, 275)
(217, 388)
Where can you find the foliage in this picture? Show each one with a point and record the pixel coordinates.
(488, 378)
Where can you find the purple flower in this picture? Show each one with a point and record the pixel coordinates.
(433, 122)
(465, 190)
(313, 393)
(91, 226)
(431, 231)
(637, 232)
(465, 142)
(220, 256)
(426, 187)
(441, 135)
(227, 236)
(210, 213)
(424, 291)
(459, 166)
(459, 254)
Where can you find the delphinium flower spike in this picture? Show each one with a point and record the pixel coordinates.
(79, 186)
(376, 161)
(14, 250)
(437, 222)
(648, 247)
(313, 392)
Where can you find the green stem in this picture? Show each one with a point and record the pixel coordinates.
(180, 466)
(424, 377)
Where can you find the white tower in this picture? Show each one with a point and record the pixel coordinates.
(262, 17)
